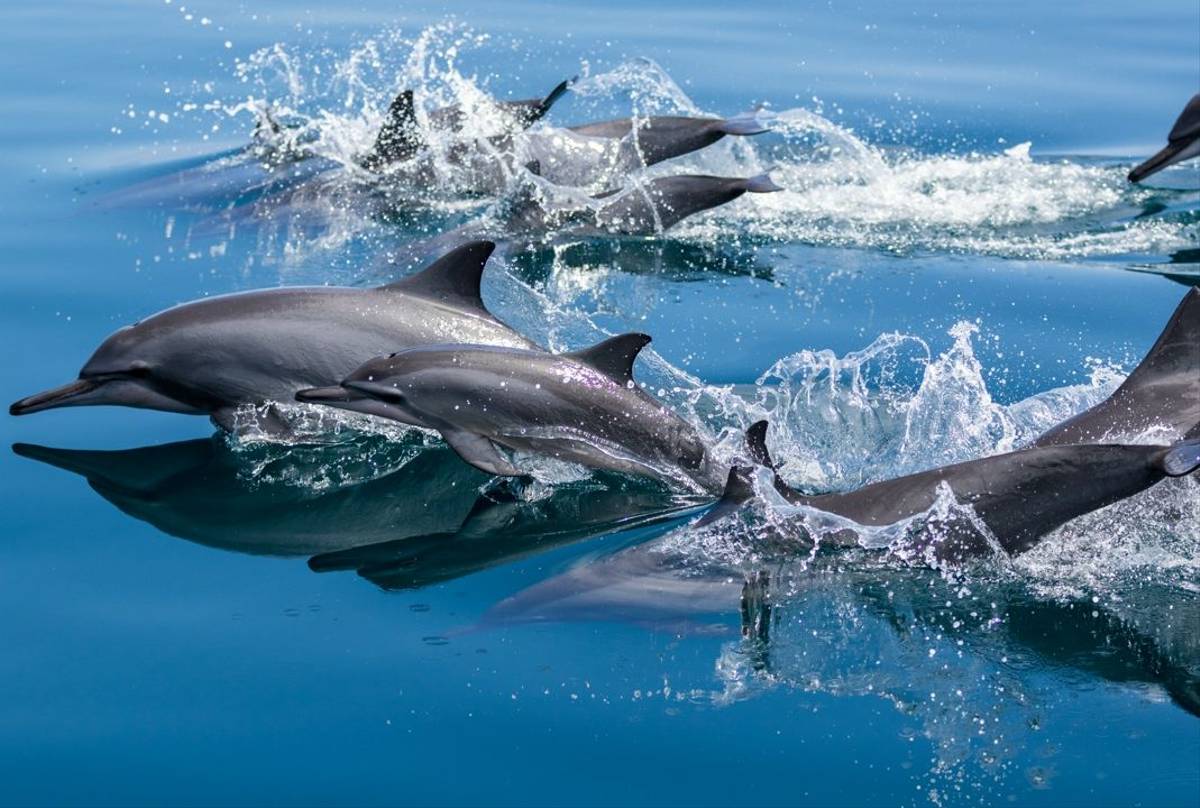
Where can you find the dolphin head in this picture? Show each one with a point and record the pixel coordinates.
(125, 371)
(372, 389)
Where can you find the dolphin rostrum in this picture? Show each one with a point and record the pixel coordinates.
(582, 407)
(1183, 143)
(213, 356)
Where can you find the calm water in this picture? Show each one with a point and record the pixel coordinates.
(957, 263)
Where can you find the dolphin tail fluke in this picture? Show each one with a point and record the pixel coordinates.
(738, 491)
(1182, 458)
(530, 111)
(748, 123)
(762, 184)
(553, 96)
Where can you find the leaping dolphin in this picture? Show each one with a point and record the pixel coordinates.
(662, 137)
(583, 407)
(647, 209)
(216, 355)
(1018, 496)
(1183, 143)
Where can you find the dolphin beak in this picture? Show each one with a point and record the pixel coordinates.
(325, 395)
(370, 389)
(63, 396)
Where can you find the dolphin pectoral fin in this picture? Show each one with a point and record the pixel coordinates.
(756, 443)
(479, 452)
(399, 138)
(762, 184)
(1182, 458)
(539, 111)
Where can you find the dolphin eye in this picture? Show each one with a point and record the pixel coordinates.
(138, 370)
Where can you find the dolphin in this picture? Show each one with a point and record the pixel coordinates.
(597, 153)
(216, 355)
(198, 490)
(663, 137)
(1162, 391)
(1183, 143)
(582, 407)
(1069, 470)
(647, 209)
(1017, 497)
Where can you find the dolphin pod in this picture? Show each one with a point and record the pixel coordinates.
(645, 141)
(425, 351)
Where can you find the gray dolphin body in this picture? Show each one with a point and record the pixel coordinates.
(663, 137)
(1183, 143)
(648, 209)
(1067, 472)
(213, 356)
(582, 407)
(1018, 497)
(1163, 391)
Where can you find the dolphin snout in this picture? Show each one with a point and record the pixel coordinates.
(58, 397)
(325, 395)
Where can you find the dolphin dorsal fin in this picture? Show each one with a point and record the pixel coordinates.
(614, 357)
(756, 442)
(453, 279)
(1177, 348)
(400, 136)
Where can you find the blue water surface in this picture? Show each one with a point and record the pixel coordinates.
(166, 641)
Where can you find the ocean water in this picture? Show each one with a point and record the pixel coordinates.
(956, 263)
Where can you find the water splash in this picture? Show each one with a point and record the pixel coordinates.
(841, 190)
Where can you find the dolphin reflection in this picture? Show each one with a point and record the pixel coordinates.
(1148, 637)
(428, 517)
